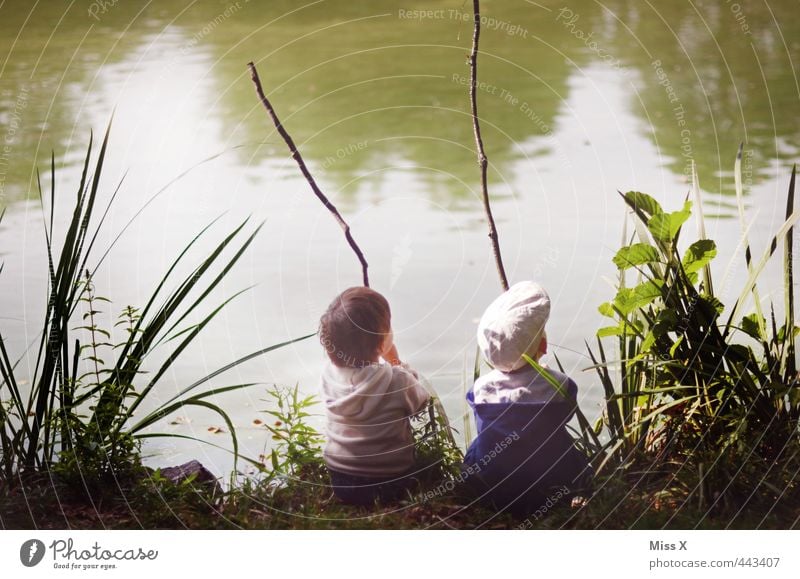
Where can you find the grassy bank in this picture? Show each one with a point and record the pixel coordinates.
(621, 502)
(292, 491)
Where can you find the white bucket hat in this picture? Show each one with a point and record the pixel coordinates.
(513, 325)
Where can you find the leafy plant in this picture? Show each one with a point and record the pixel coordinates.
(690, 385)
(297, 452)
(92, 418)
(436, 449)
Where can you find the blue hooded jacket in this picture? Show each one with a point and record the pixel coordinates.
(523, 451)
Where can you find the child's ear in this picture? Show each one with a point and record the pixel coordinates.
(543, 345)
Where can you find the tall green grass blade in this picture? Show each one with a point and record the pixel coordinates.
(9, 380)
(789, 362)
(750, 284)
(53, 184)
(220, 412)
(241, 360)
(557, 386)
(737, 173)
(476, 372)
(558, 363)
(252, 461)
(612, 406)
(701, 226)
(170, 407)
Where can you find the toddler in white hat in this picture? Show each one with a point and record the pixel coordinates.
(513, 325)
(522, 451)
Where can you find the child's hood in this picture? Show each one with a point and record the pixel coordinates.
(354, 392)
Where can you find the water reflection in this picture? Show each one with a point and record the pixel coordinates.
(366, 85)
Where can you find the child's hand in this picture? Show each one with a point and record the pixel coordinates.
(392, 356)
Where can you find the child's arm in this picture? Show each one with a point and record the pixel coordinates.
(415, 393)
(417, 397)
(391, 356)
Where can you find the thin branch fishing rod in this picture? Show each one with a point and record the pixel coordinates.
(306, 173)
(482, 161)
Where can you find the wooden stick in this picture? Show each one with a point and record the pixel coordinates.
(307, 174)
(482, 161)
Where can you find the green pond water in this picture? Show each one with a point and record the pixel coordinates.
(577, 100)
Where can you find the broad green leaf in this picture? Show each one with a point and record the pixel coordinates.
(648, 291)
(635, 254)
(610, 331)
(643, 202)
(629, 299)
(699, 254)
(607, 310)
(624, 300)
(665, 226)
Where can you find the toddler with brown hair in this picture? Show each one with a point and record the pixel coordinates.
(369, 395)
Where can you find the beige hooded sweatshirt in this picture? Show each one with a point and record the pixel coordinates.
(368, 409)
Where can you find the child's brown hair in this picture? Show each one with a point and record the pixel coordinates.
(354, 327)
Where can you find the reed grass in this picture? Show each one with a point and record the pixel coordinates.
(688, 386)
(93, 422)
